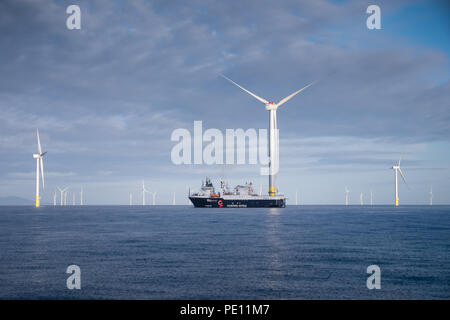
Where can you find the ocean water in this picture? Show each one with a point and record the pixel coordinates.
(180, 252)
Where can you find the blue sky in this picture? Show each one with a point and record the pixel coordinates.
(106, 98)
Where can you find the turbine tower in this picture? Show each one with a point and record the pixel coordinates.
(361, 198)
(131, 199)
(273, 130)
(371, 198)
(397, 170)
(173, 200)
(54, 198)
(39, 164)
(347, 192)
(431, 195)
(296, 197)
(81, 196)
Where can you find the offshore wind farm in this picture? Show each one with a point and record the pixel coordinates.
(144, 154)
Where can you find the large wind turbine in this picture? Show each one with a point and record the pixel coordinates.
(273, 135)
(81, 196)
(39, 164)
(346, 195)
(397, 170)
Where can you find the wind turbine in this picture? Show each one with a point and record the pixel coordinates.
(371, 198)
(154, 197)
(81, 196)
(65, 198)
(431, 195)
(347, 192)
(296, 197)
(62, 193)
(54, 198)
(361, 198)
(273, 130)
(173, 200)
(39, 164)
(143, 193)
(397, 170)
(73, 199)
(131, 199)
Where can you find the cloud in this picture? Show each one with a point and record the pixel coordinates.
(107, 97)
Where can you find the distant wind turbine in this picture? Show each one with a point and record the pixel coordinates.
(361, 198)
(39, 164)
(397, 169)
(131, 199)
(296, 197)
(431, 195)
(173, 200)
(144, 190)
(73, 199)
(54, 198)
(81, 196)
(62, 194)
(346, 195)
(371, 198)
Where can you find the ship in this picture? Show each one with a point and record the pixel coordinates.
(241, 196)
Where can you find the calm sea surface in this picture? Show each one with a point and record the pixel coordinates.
(179, 252)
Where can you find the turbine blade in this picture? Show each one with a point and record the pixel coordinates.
(282, 101)
(39, 142)
(399, 160)
(250, 93)
(401, 174)
(42, 172)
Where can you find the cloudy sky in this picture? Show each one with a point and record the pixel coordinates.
(106, 98)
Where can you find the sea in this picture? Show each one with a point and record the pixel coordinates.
(182, 252)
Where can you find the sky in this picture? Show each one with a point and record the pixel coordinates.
(106, 98)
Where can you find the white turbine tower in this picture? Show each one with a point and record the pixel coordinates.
(61, 191)
(371, 198)
(131, 199)
(173, 200)
(54, 198)
(273, 131)
(347, 192)
(73, 198)
(431, 196)
(361, 198)
(39, 165)
(154, 197)
(81, 196)
(65, 198)
(296, 197)
(397, 170)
